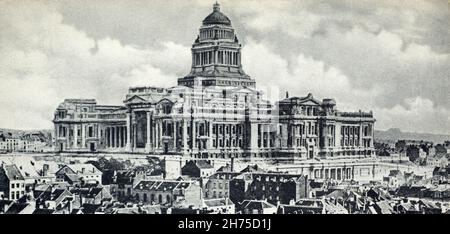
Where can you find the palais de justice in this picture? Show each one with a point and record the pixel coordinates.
(215, 111)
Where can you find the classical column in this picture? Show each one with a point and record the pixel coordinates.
(99, 135)
(147, 144)
(128, 130)
(194, 135)
(261, 136)
(157, 135)
(113, 137)
(210, 125)
(185, 137)
(75, 136)
(118, 137)
(174, 127)
(83, 136)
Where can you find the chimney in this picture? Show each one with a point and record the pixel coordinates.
(232, 164)
(45, 169)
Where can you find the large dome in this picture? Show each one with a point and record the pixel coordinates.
(217, 17)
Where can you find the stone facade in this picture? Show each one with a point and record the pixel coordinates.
(214, 112)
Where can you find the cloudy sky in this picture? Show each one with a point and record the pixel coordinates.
(391, 57)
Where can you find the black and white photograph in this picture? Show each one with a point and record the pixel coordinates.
(205, 107)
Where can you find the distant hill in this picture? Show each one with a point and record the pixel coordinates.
(395, 134)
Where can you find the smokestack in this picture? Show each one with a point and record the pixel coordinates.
(45, 169)
(232, 164)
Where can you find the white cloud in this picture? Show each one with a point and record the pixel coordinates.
(305, 75)
(367, 55)
(415, 114)
(45, 61)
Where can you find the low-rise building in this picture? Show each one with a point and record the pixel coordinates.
(168, 192)
(197, 169)
(273, 187)
(394, 179)
(82, 173)
(12, 182)
(313, 206)
(441, 174)
(53, 198)
(219, 206)
(256, 207)
(90, 195)
(218, 184)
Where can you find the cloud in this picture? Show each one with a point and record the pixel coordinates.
(415, 114)
(370, 55)
(45, 61)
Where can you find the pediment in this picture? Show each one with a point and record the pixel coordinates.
(134, 99)
(165, 101)
(310, 102)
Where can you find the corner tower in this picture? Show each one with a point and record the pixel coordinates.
(216, 55)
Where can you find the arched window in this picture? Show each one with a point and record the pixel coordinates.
(168, 198)
(137, 196)
(145, 197)
(152, 197)
(160, 199)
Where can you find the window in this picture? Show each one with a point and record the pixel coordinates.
(91, 131)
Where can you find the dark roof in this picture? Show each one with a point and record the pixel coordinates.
(12, 172)
(202, 164)
(88, 192)
(409, 191)
(226, 168)
(217, 17)
(43, 211)
(253, 168)
(224, 175)
(16, 208)
(394, 173)
(89, 208)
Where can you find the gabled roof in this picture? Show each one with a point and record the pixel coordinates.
(302, 100)
(12, 172)
(82, 168)
(134, 99)
(256, 204)
(16, 208)
(252, 168)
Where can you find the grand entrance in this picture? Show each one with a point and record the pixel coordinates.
(140, 130)
(92, 147)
